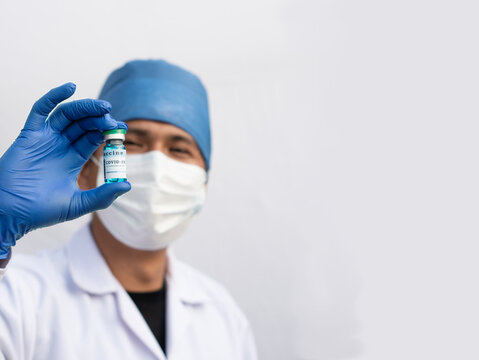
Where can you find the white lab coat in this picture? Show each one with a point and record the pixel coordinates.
(66, 304)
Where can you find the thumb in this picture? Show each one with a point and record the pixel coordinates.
(100, 197)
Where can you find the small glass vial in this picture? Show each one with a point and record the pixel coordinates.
(114, 156)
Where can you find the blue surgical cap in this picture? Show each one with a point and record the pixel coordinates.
(160, 91)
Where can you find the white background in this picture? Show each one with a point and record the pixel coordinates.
(343, 203)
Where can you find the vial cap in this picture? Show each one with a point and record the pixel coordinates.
(115, 131)
(115, 134)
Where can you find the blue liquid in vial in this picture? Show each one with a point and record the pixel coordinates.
(114, 161)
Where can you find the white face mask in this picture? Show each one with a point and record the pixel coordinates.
(165, 195)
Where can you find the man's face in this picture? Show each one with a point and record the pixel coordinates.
(148, 135)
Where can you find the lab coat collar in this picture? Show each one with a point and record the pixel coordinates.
(179, 276)
(90, 271)
(88, 268)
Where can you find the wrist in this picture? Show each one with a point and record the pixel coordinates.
(4, 260)
(10, 232)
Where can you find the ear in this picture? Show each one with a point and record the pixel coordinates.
(87, 178)
(86, 174)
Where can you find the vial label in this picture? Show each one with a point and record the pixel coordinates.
(114, 162)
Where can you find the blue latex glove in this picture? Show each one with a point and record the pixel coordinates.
(38, 173)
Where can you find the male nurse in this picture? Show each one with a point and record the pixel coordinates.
(115, 291)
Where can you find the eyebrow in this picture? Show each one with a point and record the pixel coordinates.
(182, 138)
(140, 132)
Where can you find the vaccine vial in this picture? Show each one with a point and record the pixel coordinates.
(114, 156)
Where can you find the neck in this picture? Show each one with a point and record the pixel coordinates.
(136, 270)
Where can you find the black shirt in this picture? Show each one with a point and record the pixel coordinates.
(152, 306)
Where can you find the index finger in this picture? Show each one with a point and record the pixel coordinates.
(46, 104)
(76, 110)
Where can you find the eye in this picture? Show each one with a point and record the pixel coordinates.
(179, 150)
(130, 143)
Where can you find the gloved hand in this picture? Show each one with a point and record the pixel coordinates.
(38, 173)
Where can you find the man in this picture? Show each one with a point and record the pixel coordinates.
(114, 291)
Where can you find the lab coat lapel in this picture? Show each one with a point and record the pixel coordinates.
(178, 320)
(184, 298)
(137, 324)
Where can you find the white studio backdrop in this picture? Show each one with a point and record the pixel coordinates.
(343, 203)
